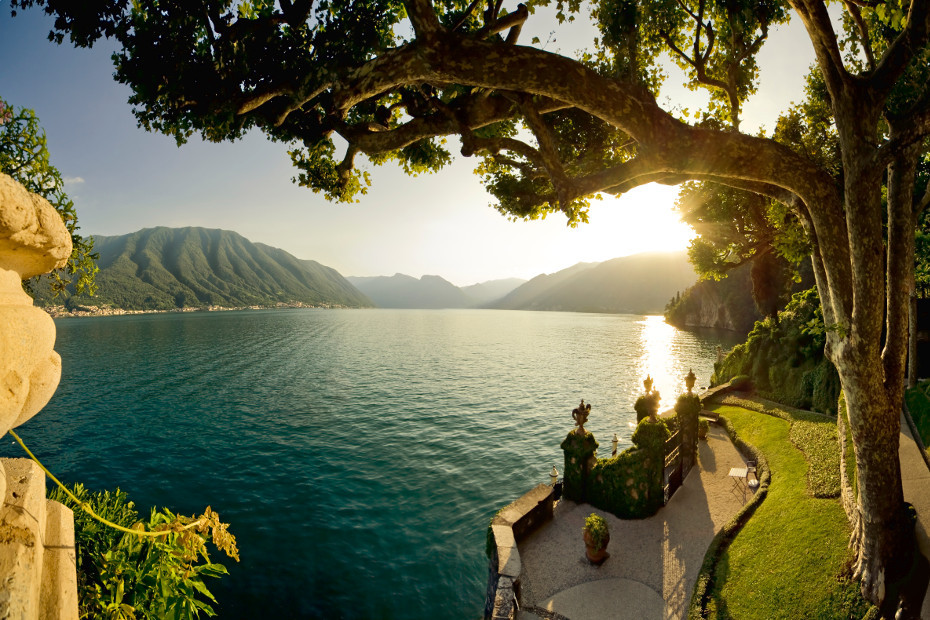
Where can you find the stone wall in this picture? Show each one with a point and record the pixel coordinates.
(509, 526)
(37, 566)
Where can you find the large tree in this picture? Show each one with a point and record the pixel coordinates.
(392, 78)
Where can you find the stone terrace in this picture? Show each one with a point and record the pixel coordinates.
(653, 563)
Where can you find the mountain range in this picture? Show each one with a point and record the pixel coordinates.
(637, 284)
(169, 268)
(403, 291)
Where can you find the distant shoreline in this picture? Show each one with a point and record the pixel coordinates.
(61, 312)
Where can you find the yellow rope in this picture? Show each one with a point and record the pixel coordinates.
(86, 507)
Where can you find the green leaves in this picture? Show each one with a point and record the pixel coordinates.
(127, 577)
(24, 156)
(321, 173)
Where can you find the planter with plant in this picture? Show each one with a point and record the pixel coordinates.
(703, 427)
(596, 538)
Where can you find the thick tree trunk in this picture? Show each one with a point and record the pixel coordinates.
(879, 521)
(872, 375)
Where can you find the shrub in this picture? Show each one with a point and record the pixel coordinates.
(703, 428)
(740, 382)
(651, 436)
(596, 527)
(647, 405)
(123, 575)
(785, 362)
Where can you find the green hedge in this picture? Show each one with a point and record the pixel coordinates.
(813, 434)
(629, 485)
(579, 450)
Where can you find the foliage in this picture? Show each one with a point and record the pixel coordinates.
(625, 485)
(24, 156)
(381, 76)
(629, 484)
(740, 382)
(687, 409)
(650, 436)
(647, 405)
(688, 406)
(786, 362)
(579, 452)
(123, 576)
(596, 527)
(736, 227)
(918, 404)
(780, 535)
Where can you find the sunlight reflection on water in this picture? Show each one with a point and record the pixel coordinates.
(661, 359)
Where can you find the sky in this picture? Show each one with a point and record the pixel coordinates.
(123, 178)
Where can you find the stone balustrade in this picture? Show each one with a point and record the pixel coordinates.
(37, 561)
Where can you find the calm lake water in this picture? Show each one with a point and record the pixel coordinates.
(357, 454)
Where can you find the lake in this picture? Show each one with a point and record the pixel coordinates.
(357, 454)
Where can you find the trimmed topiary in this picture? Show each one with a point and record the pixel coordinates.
(647, 405)
(741, 382)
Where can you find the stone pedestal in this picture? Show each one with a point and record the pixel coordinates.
(579, 460)
(688, 408)
(36, 536)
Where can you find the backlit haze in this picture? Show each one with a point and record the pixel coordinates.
(122, 178)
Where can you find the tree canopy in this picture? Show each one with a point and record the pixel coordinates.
(24, 156)
(393, 80)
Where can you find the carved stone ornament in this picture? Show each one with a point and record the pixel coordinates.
(690, 379)
(580, 415)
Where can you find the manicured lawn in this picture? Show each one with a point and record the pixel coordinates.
(786, 561)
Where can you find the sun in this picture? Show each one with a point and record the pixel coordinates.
(642, 220)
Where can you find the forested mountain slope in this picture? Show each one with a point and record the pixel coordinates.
(165, 268)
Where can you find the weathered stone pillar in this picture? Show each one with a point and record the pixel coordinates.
(579, 460)
(37, 567)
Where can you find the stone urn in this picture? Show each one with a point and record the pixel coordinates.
(33, 241)
(37, 553)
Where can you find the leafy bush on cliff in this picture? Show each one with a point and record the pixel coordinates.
(786, 362)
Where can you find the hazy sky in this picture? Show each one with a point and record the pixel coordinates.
(123, 179)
